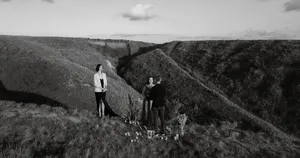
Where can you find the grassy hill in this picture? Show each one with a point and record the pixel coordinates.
(260, 76)
(186, 94)
(48, 82)
(30, 130)
(59, 69)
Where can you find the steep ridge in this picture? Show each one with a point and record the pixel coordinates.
(60, 69)
(30, 130)
(191, 92)
(118, 48)
(240, 111)
(260, 76)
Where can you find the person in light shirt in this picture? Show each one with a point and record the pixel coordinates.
(100, 83)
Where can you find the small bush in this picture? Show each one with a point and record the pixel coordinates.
(133, 112)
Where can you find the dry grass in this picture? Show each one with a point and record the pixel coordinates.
(202, 104)
(261, 76)
(61, 69)
(33, 131)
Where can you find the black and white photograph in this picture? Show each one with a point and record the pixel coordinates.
(149, 78)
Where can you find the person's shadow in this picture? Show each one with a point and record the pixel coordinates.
(27, 97)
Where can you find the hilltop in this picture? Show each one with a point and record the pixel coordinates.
(29, 130)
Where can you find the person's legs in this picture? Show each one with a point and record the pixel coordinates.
(162, 118)
(155, 113)
(108, 110)
(144, 111)
(102, 99)
(149, 114)
(97, 94)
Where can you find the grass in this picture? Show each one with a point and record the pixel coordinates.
(60, 69)
(261, 76)
(202, 104)
(33, 131)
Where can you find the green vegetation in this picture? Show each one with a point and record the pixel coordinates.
(188, 95)
(29, 130)
(60, 69)
(218, 84)
(260, 76)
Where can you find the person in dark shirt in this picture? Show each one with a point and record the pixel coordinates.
(158, 94)
(147, 116)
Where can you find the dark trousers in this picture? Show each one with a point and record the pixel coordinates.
(100, 96)
(159, 112)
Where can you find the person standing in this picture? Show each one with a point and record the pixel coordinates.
(100, 83)
(158, 94)
(147, 114)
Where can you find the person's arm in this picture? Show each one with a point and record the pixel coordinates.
(105, 82)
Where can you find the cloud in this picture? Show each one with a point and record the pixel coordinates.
(139, 12)
(5, 0)
(49, 1)
(293, 5)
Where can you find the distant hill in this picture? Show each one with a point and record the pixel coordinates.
(118, 48)
(60, 69)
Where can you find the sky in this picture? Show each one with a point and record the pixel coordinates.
(152, 20)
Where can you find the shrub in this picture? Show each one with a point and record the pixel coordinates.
(133, 110)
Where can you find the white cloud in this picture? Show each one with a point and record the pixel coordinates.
(139, 12)
(293, 5)
(49, 1)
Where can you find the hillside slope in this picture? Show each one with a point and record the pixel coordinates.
(118, 48)
(30, 130)
(60, 69)
(260, 76)
(200, 102)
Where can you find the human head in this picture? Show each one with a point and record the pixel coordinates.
(158, 79)
(99, 67)
(150, 80)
